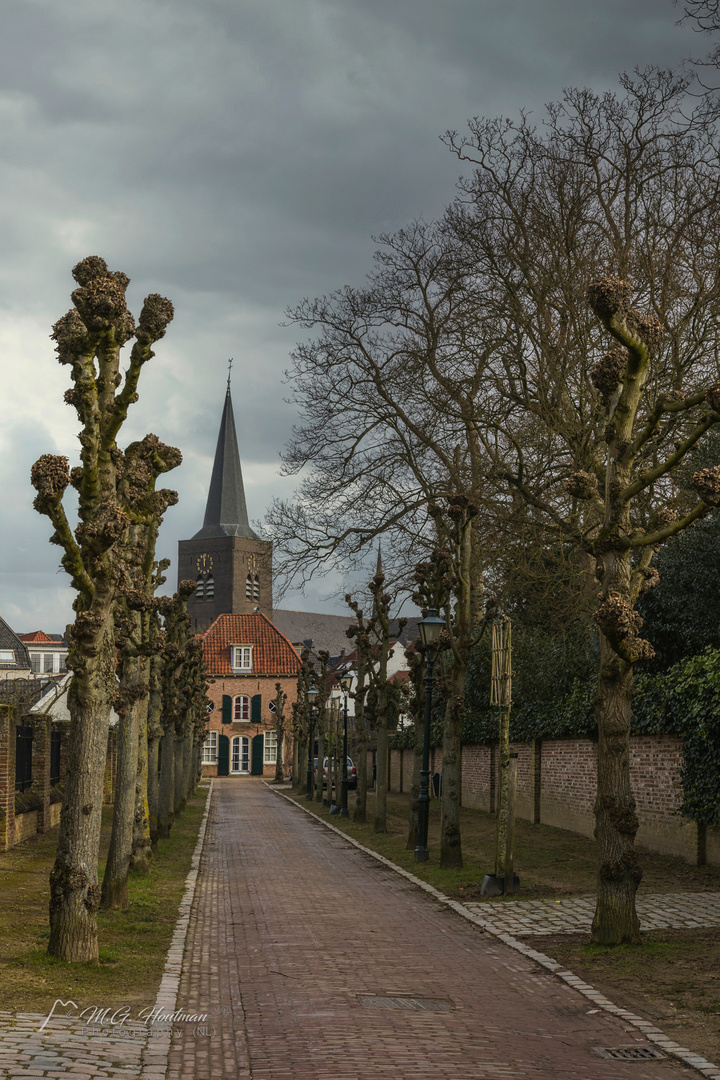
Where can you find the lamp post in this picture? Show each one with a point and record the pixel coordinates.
(310, 694)
(430, 629)
(345, 682)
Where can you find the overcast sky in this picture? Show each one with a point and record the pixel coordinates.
(236, 156)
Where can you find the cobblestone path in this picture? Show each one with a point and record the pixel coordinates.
(662, 911)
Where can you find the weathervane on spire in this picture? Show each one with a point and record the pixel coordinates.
(230, 364)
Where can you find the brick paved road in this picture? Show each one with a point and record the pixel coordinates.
(291, 925)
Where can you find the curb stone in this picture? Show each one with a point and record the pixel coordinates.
(652, 1033)
(156, 1058)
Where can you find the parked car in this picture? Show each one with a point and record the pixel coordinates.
(351, 773)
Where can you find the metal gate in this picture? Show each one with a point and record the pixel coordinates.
(23, 757)
(54, 757)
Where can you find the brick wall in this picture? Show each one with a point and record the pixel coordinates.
(557, 786)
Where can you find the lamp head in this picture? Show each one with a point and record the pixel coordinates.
(431, 627)
(345, 680)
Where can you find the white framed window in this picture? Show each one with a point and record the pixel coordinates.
(209, 750)
(271, 746)
(7, 656)
(35, 662)
(242, 657)
(48, 663)
(241, 707)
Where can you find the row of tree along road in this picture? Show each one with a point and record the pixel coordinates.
(527, 386)
(128, 649)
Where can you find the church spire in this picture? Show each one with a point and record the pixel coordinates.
(226, 512)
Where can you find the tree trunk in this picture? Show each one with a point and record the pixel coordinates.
(361, 742)
(381, 770)
(296, 763)
(188, 777)
(142, 842)
(166, 807)
(319, 794)
(74, 888)
(153, 790)
(415, 786)
(179, 787)
(450, 846)
(616, 823)
(114, 886)
(302, 766)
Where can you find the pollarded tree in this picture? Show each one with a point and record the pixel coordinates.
(616, 199)
(359, 631)
(143, 463)
(382, 692)
(89, 339)
(394, 396)
(280, 700)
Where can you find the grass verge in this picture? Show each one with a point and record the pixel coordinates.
(133, 943)
(551, 863)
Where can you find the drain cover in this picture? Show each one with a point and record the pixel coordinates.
(629, 1053)
(380, 1001)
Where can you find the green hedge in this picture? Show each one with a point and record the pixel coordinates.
(684, 702)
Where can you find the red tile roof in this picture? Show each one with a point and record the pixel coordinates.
(272, 652)
(37, 636)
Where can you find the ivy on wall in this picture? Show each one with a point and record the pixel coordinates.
(683, 701)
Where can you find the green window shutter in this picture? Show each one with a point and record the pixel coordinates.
(255, 709)
(227, 709)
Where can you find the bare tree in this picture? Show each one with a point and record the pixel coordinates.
(615, 199)
(393, 392)
(143, 462)
(89, 339)
(280, 702)
(359, 631)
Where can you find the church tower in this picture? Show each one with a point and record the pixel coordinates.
(230, 563)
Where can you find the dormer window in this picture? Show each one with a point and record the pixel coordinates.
(7, 656)
(242, 657)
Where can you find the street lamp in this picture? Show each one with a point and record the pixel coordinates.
(311, 694)
(430, 629)
(345, 682)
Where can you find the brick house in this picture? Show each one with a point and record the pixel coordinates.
(246, 656)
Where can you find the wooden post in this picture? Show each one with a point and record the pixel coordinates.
(501, 696)
(502, 811)
(509, 853)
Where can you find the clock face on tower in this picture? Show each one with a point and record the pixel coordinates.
(204, 564)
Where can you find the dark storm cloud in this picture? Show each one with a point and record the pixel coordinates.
(236, 155)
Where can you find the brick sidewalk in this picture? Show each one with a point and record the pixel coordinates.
(661, 911)
(317, 962)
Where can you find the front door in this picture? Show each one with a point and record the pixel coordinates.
(223, 755)
(257, 755)
(240, 757)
